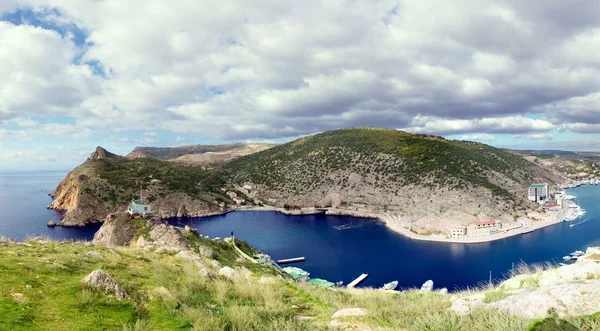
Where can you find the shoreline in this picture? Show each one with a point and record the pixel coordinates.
(392, 224)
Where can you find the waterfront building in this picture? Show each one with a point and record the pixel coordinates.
(138, 208)
(538, 193)
(459, 233)
(483, 228)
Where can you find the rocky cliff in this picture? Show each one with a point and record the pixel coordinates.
(107, 183)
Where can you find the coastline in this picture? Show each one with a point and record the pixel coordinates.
(393, 225)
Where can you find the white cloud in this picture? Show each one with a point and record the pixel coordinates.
(273, 70)
(479, 137)
(535, 136)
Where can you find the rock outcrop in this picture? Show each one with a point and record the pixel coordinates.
(565, 291)
(102, 281)
(118, 230)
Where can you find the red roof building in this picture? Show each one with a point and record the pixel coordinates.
(484, 224)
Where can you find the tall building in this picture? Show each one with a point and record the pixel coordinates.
(538, 193)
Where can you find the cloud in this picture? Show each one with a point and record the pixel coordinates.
(511, 124)
(479, 137)
(535, 136)
(274, 70)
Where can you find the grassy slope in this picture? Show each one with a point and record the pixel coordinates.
(168, 294)
(410, 158)
(121, 179)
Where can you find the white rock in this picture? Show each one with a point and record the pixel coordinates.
(215, 264)
(228, 272)
(427, 286)
(444, 291)
(464, 306)
(104, 282)
(347, 312)
(192, 257)
(207, 273)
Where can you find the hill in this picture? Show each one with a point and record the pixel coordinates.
(431, 184)
(106, 183)
(207, 155)
(191, 282)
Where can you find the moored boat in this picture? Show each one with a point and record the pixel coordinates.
(390, 286)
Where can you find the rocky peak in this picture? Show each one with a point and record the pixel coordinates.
(102, 153)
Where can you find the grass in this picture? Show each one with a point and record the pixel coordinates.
(42, 289)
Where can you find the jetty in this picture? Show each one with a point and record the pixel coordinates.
(292, 260)
(357, 280)
(350, 225)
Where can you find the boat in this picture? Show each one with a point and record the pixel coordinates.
(390, 286)
(571, 225)
(567, 258)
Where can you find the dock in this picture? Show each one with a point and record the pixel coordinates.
(357, 280)
(296, 259)
(351, 226)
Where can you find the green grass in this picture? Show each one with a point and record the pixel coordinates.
(41, 289)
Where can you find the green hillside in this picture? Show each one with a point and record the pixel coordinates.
(392, 157)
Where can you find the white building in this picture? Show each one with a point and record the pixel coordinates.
(459, 233)
(538, 193)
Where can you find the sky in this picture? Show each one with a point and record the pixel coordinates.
(75, 74)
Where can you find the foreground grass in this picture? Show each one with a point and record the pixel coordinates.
(41, 290)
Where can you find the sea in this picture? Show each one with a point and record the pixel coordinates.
(332, 254)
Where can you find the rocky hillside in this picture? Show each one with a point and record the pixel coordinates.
(432, 183)
(207, 155)
(146, 275)
(106, 183)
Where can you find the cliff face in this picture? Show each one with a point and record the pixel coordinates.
(106, 183)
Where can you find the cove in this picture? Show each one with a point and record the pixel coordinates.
(385, 255)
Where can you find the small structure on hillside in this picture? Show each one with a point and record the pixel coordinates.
(459, 233)
(538, 193)
(138, 208)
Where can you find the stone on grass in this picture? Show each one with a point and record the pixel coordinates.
(427, 286)
(19, 298)
(304, 318)
(240, 260)
(444, 291)
(95, 254)
(205, 251)
(162, 250)
(102, 281)
(191, 257)
(215, 264)
(207, 273)
(349, 312)
(228, 272)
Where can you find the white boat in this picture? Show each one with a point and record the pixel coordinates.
(390, 286)
(567, 258)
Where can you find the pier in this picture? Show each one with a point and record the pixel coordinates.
(357, 280)
(350, 225)
(296, 259)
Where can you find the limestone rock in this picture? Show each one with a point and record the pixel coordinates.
(162, 250)
(303, 318)
(444, 291)
(240, 260)
(464, 306)
(19, 298)
(347, 312)
(427, 286)
(228, 272)
(51, 224)
(205, 251)
(102, 281)
(164, 234)
(95, 254)
(207, 273)
(354, 326)
(118, 230)
(191, 257)
(215, 264)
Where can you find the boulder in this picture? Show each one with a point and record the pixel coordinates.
(51, 224)
(118, 230)
(427, 286)
(166, 235)
(464, 306)
(207, 273)
(228, 272)
(191, 257)
(444, 291)
(215, 264)
(102, 281)
(349, 312)
(205, 251)
(240, 260)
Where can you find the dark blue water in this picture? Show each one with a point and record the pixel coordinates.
(331, 254)
(343, 255)
(23, 201)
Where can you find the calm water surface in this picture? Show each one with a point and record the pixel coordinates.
(331, 254)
